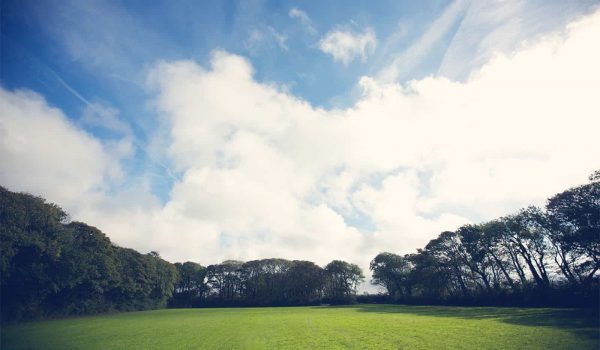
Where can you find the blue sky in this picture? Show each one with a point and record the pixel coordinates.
(348, 104)
(74, 52)
(125, 40)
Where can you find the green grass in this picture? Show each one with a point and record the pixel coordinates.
(355, 327)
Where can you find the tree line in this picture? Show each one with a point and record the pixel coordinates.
(51, 267)
(537, 256)
(266, 282)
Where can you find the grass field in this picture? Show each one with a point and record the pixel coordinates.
(355, 327)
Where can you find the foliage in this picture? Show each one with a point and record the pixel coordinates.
(271, 282)
(53, 268)
(190, 288)
(341, 280)
(537, 256)
(392, 272)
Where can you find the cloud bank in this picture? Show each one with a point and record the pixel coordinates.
(266, 174)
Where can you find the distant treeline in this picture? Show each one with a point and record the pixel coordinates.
(273, 282)
(51, 267)
(537, 256)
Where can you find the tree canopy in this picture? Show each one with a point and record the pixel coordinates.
(547, 255)
(51, 267)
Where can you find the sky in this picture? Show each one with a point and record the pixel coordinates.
(306, 130)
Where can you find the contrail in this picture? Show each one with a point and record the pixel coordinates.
(69, 88)
(135, 142)
(48, 73)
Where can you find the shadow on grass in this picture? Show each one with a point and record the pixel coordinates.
(582, 322)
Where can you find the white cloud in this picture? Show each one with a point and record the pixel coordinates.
(42, 152)
(265, 174)
(301, 15)
(396, 209)
(489, 27)
(264, 38)
(304, 19)
(258, 162)
(99, 115)
(404, 62)
(345, 45)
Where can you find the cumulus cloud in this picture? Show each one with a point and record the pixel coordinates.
(266, 174)
(396, 208)
(281, 177)
(346, 45)
(42, 152)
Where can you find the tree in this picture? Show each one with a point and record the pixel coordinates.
(50, 267)
(392, 272)
(224, 280)
(526, 234)
(31, 241)
(303, 283)
(446, 252)
(474, 255)
(341, 280)
(87, 270)
(191, 280)
(575, 223)
(264, 281)
(431, 279)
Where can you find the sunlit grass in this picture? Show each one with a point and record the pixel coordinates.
(356, 327)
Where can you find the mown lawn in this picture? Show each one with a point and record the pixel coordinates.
(354, 327)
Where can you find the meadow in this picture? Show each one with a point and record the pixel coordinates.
(343, 327)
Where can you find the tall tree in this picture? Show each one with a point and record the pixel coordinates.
(575, 219)
(392, 272)
(341, 280)
(303, 283)
(225, 280)
(474, 255)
